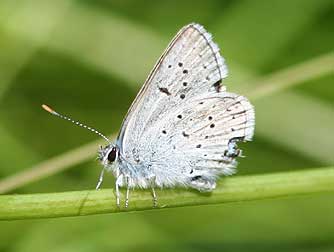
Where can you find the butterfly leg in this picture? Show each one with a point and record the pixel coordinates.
(154, 195)
(117, 183)
(155, 198)
(127, 193)
(99, 183)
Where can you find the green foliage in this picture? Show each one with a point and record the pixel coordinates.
(89, 58)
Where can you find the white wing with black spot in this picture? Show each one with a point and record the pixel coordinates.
(196, 142)
(183, 125)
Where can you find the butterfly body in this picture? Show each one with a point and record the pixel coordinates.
(182, 128)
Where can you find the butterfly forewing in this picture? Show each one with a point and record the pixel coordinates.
(187, 60)
(183, 125)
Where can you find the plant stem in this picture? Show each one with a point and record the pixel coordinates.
(234, 189)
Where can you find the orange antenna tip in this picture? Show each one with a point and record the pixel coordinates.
(48, 109)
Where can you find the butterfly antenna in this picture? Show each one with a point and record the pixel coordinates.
(53, 112)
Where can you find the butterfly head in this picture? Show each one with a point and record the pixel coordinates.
(108, 154)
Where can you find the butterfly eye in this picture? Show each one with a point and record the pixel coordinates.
(112, 155)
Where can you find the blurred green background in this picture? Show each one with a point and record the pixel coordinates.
(88, 58)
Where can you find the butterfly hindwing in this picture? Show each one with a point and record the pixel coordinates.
(198, 139)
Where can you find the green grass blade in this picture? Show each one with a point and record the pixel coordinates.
(234, 189)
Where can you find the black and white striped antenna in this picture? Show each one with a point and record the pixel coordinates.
(53, 112)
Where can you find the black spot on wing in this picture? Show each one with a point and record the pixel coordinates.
(185, 134)
(237, 139)
(196, 178)
(217, 85)
(164, 90)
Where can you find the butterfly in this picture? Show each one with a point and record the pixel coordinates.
(183, 127)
